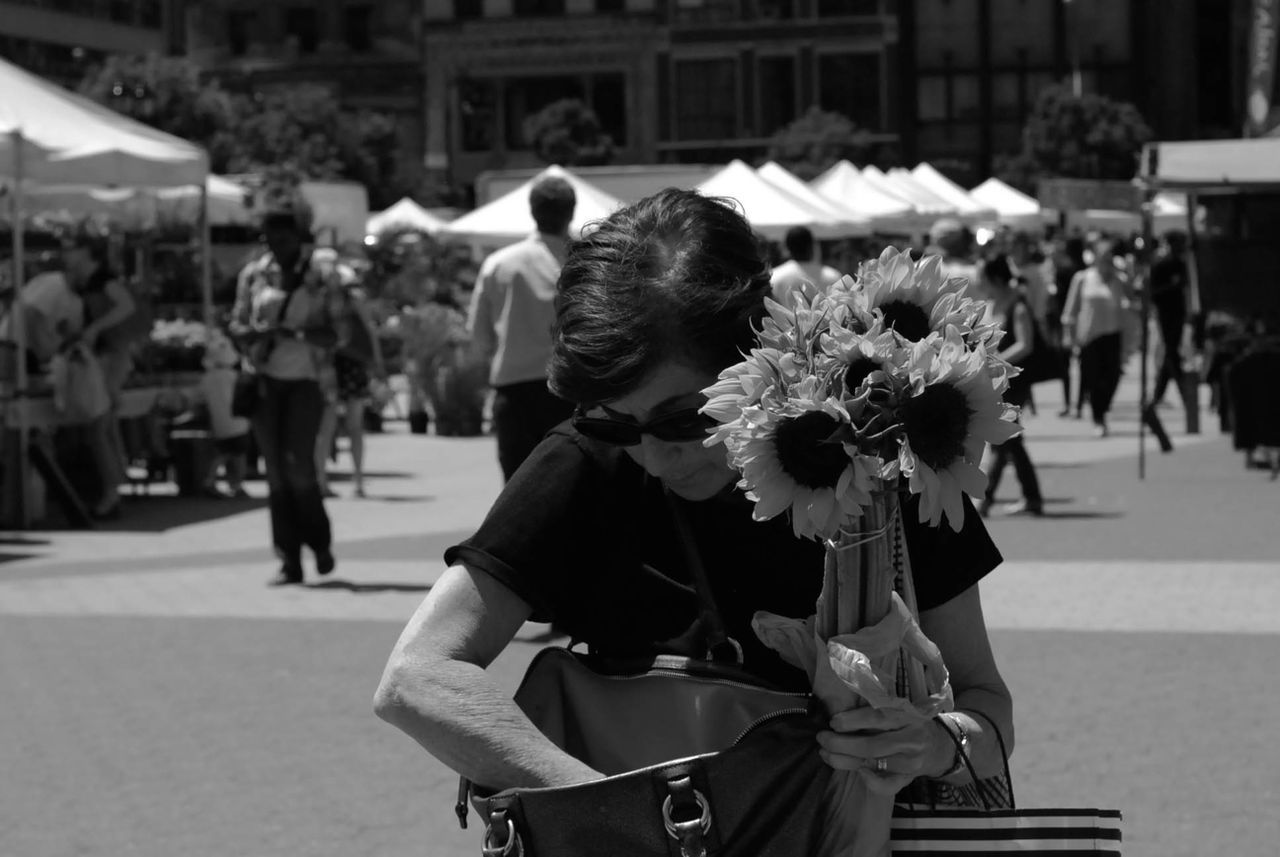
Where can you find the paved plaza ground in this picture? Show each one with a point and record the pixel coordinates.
(160, 701)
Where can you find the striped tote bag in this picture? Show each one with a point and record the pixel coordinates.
(1030, 832)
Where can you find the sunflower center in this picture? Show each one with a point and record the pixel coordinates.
(937, 423)
(856, 372)
(908, 319)
(805, 452)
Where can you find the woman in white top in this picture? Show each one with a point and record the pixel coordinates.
(1093, 323)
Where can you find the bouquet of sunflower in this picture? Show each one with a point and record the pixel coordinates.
(884, 383)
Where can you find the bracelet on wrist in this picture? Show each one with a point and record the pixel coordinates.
(960, 739)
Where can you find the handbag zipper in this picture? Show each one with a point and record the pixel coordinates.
(765, 719)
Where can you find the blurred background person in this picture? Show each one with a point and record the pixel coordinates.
(290, 314)
(107, 305)
(356, 364)
(1170, 282)
(1093, 320)
(230, 433)
(1068, 260)
(512, 313)
(801, 268)
(1011, 309)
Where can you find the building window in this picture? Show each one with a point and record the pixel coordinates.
(965, 96)
(466, 10)
(774, 10)
(777, 92)
(358, 27)
(150, 15)
(849, 84)
(478, 114)
(240, 24)
(121, 11)
(525, 96)
(931, 98)
(538, 8)
(847, 8)
(609, 100)
(706, 99)
(610, 7)
(302, 25)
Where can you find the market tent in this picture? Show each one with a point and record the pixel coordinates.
(50, 135)
(1169, 213)
(1012, 206)
(230, 204)
(926, 202)
(405, 214)
(780, 177)
(506, 219)
(844, 184)
(1202, 164)
(968, 209)
(770, 210)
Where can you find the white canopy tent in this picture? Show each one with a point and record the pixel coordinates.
(780, 177)
(769, 209)
(845, 185)
(926, 201)
(1012, 207)
(507, 219)
(968, 209)
(229, 203)
(405, 214)
(1168, 214)
(51, 136)
(1207, 165)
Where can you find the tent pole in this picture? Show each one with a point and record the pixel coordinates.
(20, 333)
(206, 255)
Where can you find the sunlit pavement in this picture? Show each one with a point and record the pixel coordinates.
(160, 700)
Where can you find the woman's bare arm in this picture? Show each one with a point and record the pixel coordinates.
(436, 690)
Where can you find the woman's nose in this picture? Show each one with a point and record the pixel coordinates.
(657, 456)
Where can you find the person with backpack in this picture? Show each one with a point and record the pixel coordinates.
(1018, 345)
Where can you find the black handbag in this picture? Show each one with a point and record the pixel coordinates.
(1046, 362)
(700, 756)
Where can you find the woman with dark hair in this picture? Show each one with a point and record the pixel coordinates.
(652, 305)
(1093, 323)
(1010, 308)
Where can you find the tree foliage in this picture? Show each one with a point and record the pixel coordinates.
(816, 141)
(1088, 136)
(289, 133)
(568, 132)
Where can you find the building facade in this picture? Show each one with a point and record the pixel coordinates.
(976, 67)
(366, 52)
(62, 39)
(673, 81)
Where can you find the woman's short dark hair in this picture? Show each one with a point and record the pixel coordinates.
(997, 270)
(674, 277)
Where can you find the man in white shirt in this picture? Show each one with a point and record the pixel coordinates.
(801, 268)
(512, 313)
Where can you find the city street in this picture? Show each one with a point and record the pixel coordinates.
(160, 700)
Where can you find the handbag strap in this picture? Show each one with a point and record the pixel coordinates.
(720, 645)
(989, 801)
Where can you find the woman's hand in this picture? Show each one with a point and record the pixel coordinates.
(908, 747)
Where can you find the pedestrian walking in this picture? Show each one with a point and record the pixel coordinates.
(802, 268)
(1093, 320)
(290, 315)
(230, 432)
(1011, 309)
(1068, 260)
(510, 321)
(1170, 282)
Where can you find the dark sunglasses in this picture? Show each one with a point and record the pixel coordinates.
(676, 427)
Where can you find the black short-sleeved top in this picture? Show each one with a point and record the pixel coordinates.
(586, 537)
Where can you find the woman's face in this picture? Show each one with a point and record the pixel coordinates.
(689, 469)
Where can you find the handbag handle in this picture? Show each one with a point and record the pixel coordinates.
(720, 645)
(987, 800)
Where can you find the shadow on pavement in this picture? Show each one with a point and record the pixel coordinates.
(345, 476)
(6, 556)
(401, 498)
(348, 586)
(156, 514)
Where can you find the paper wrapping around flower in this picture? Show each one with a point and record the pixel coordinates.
(846, 671)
